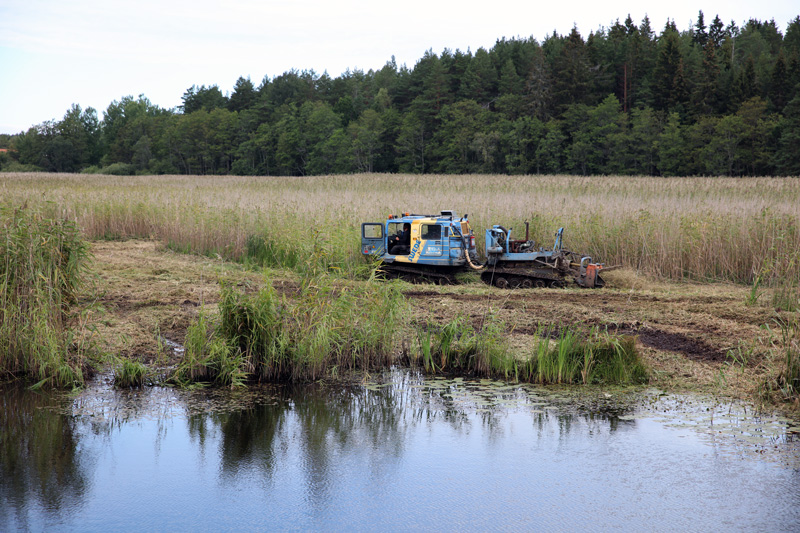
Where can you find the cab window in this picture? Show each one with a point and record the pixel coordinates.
(395, 228)
(372, 231)
(431, 232)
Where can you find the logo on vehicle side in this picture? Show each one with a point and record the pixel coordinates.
(414, 251)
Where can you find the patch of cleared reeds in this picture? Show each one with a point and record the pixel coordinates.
(42, 268)
(326, 328)
(676, 228)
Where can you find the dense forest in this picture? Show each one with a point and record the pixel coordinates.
(713, 99)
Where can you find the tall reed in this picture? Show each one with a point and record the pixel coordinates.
(42, 268)
(786, 381)
(591, 357)
(327, 327)
(676, 228)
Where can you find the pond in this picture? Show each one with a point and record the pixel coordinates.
(396, 452)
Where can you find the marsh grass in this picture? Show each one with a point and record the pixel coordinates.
(262, 335)
(778, 270)
(209, 358)
(458, 347)
(44, 336)
(786, 381)
(574, 357)
(129, 374)
(674, 228)
(262, 250)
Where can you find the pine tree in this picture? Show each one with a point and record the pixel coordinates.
(716, 33)
(538, 88)
(480, 79)
(571, 77)
(779, 87)
(704, 96)
(669, 77)
(744, 86)
(700, 36)
(510, 82)
(243, 96)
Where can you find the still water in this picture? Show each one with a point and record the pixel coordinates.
(396, 452)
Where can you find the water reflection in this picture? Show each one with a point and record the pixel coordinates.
(41, 464)
(398, 452)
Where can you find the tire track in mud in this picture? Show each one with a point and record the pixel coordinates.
(678, 342)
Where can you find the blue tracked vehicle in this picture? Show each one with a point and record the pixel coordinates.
(436, 247)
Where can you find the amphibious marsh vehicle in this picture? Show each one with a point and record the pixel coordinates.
(435, 248)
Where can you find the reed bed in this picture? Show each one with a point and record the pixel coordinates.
(573, 357)
(325, 329)
(785, 385)
(42, 267)
(736, 229)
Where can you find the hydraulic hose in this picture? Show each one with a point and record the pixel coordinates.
(469, 261)
(466, 250)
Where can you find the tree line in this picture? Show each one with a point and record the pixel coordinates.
(713, 99)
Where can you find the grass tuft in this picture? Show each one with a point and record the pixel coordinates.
(265, 336)
(129, 374)
(209, 358)
(575, 357)
(42, 267)
(592, 358)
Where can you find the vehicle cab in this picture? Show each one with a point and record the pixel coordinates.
(437, 240)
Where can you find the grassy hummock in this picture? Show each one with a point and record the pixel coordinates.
(261, 335)
(592, 357)
(129, 374)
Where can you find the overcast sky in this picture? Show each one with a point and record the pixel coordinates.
(54, 53)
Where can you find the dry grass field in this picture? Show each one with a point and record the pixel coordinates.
(673, 228)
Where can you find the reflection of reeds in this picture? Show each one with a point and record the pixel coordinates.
(41, 270)
(40, 463)
(678, 228)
